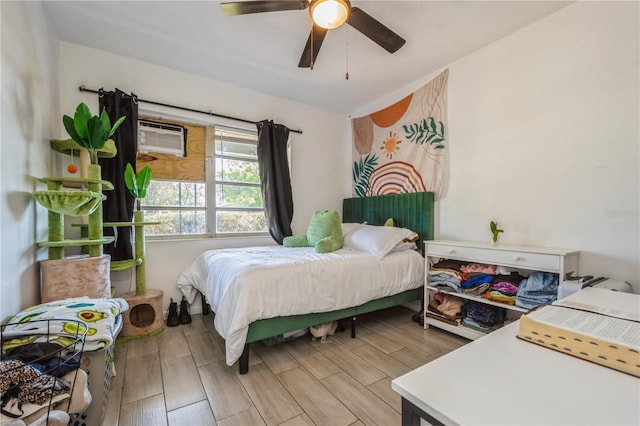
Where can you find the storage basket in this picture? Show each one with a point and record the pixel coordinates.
(33, 353)
(100, 369)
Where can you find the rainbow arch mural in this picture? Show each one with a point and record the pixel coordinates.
(396, 177)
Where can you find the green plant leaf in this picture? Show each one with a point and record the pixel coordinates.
(71, 130)
(81, 120)
(362, 171)
(129, 177)
(426, 131)
(97, 133)
(130, 180)
(143, 179)
(493, 226)
(116, 125)
(104, 118)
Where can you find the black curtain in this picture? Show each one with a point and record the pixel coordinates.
(118, 207)
(274, 178)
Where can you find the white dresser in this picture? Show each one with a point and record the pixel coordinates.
(558, 261)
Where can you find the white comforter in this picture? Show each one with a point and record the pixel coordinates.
(248, 284)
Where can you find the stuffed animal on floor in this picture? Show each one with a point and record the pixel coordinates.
(321, 331)
(324, 233)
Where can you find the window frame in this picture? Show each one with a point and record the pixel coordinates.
(211, 183)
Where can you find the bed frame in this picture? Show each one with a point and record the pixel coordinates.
(413, 211)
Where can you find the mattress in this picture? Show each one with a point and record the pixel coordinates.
(244, 285)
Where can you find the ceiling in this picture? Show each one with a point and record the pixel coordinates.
(261, 51)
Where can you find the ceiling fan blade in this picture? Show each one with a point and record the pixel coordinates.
(318, 34)
(373, 29)
(245, 7)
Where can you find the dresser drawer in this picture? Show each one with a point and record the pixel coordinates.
(497, 256)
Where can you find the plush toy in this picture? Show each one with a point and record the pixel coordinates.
(324, 233)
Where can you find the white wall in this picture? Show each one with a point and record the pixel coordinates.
(320, 156)
(30, 116)
(544, 138)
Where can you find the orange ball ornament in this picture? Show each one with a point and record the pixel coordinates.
(72, 168)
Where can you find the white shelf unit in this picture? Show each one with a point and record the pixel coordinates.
(557, 261)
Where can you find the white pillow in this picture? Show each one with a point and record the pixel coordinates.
(376, 240)
(348, 228)
(404, 245)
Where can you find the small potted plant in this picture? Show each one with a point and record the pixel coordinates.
(495, 231)
(90, 131)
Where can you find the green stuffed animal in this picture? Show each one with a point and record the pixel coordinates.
(324, 233)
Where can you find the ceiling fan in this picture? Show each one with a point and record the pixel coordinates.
(326, 15)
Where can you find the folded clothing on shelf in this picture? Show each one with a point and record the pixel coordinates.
(444, 279)
(484, 314)
(540, 288)
(447, 306)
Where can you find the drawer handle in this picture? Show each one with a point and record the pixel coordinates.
(516, 258)
(451, 251)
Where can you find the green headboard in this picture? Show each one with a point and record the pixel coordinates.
(412, 210)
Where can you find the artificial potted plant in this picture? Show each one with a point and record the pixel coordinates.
(90, 131)
(495, 231)
(137, 185)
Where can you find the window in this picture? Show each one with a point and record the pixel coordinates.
(180, 207)
(238, 198)
(213, 191)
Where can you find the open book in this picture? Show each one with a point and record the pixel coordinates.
(597, 325)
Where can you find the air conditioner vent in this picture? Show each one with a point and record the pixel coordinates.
(162, 138)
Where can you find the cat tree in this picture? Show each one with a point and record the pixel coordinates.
(64, 277)
(89, 275)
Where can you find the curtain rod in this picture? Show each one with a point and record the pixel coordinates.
(84, 89)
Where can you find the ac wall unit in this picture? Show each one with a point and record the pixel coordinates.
(162, 138)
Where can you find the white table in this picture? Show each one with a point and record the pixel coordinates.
(501, 380)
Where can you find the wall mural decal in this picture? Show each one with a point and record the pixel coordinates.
(403, 147)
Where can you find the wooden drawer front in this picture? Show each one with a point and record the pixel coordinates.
(518, 259)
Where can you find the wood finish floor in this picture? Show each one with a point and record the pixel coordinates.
(179, 377)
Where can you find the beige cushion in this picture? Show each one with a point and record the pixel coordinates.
(76, 277)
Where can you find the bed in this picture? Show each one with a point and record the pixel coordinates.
(306, 288)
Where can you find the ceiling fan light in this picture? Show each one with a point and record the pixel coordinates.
(329, 14)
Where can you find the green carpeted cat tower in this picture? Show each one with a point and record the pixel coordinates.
(65, 277)
(89, 274)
